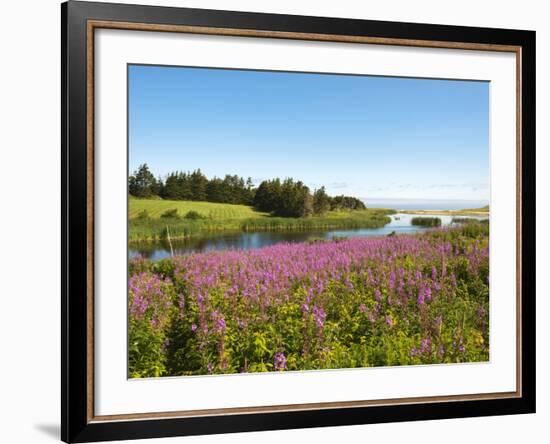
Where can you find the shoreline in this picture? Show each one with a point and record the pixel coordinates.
(261, 225)
(180, 229)
(446, 212)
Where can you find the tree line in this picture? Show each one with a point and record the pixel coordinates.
(286, 198)
(191, 186)
(290, 198)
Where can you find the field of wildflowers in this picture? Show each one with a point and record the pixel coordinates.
(359, 302)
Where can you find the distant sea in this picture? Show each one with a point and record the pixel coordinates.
(428, 204)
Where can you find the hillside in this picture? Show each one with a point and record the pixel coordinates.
(210, 210)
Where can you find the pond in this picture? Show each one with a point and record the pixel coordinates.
(400, 224)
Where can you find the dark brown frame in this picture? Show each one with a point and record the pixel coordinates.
(80, 20)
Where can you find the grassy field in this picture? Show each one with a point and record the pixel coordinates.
(147, 223)
(210, 210)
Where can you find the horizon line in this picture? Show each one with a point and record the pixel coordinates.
(416, 199)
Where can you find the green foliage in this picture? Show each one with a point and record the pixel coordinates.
(170, 214)
(284, 199)
(464, 220)
(268, 195)
(143, 215)
(185, 186)
(143, 184)
(193, 186)
(321, 201)
(153, 308)
(346, 203)
(146, 357)
(475, 230)
(163, 268)
(293, 199)
(365, 219)
(426, 221)
(193, 215)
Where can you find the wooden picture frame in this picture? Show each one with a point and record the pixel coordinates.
(79, 22)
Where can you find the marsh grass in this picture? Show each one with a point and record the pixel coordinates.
(466, 220)
(426, 221)
(151, 220)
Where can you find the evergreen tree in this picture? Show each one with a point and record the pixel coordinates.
(321, 201)
(142, 183)
(268, 196)
(295, 200)
(347, 203)
(198, 182)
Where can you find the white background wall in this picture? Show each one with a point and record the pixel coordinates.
(29, 218)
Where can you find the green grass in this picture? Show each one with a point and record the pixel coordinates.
(467, 220)
(151, 226)
(483, 211)
(156, 207)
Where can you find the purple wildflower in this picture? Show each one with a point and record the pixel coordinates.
(319, 315)
(279, 361)
(219, 321)
(425, 346)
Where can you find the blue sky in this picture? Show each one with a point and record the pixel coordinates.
(369, 137)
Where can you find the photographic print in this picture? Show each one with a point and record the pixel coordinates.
(274, 221)
(291, 221)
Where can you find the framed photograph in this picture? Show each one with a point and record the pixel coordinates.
(275, 221)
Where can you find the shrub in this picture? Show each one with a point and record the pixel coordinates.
(143, 215)
(173, 213)
(426, 221)
(475, 230)
(193, 215)
(464, 220)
